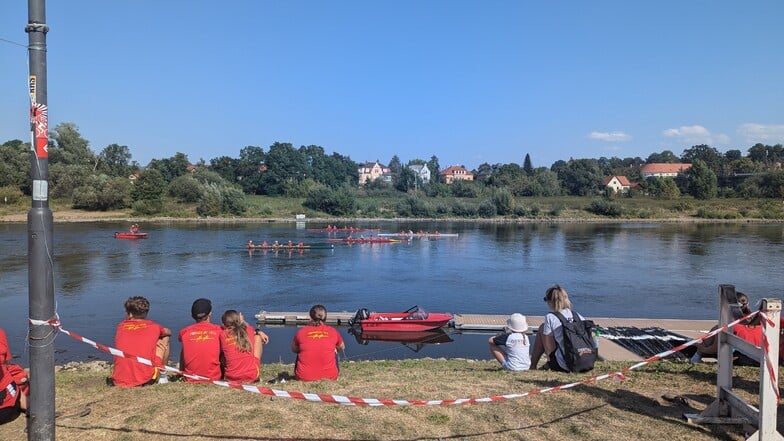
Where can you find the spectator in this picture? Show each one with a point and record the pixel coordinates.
(241, 353)
(316, 346)
(511, 348)
(137, 336)
(14, 385)
(549, 340)
(200, 353)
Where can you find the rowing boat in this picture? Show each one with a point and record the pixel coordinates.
(418, 235)
(286, 247)
(341, 230)
(364, 240)
(129, 235)
(413, 319)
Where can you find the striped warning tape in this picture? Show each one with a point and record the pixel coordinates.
(356, 401)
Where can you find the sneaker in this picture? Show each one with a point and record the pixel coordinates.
(696, 358)
(163, 379)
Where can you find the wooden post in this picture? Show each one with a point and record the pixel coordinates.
(729, 408)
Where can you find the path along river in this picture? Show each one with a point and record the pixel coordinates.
(610, 270)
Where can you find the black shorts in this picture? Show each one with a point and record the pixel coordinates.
(10, 413)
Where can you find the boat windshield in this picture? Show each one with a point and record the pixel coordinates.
(417, 314)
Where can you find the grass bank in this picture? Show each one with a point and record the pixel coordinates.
(648, 405)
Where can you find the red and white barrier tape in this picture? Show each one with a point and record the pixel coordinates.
(356, 401)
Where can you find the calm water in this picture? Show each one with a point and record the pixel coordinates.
(610, 270)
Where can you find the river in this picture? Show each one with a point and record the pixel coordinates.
(650, 270)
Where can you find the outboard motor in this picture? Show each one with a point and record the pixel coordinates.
(362, 314)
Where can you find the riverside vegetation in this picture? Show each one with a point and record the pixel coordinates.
(647, 405)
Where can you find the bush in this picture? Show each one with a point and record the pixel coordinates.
(211, 202)
(414, 207)
(340, 202)
(10, 195)
(464, 209)
(186, 189)
(103, 193)
(503, 201)
(604, 207)
(487, 209)
(147, 206)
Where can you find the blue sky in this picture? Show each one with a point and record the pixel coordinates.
(467, 81)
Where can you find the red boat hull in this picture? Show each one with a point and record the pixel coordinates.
(400, 321)
(128, 235)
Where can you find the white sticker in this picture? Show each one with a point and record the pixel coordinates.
(40, 190)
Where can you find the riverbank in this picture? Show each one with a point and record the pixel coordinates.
(648, 404)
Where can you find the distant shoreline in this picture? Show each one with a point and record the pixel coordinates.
(78, 216)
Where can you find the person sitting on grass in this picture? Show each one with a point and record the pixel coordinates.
(137, 336)
(14, 385)
(710, 346)
(240, 348)
(200, 353)
(511, 348)
(316, 346)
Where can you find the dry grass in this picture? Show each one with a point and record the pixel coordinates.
(634, 408)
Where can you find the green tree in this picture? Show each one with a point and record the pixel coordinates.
(407, 180)
(702, 180)
(527, 166)
(171, 168)
(115, 160)
(581, 177)
(336, 202)
(285, 165)
(227, 167)
(186, 189)
(503, 201)
(15, 165)
(149, 186)
(662, 188)
(65, 178)
(666, 157)
(102, 193)
(70, 147)
(434, 167)
(705, 153)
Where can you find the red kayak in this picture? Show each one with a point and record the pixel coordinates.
(129, 235)
(413, 319)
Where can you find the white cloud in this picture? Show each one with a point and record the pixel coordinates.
(610, 136)
(696, 134)
(765, 133)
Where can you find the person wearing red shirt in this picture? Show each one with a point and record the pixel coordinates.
(316, 346)
(137, 336)
(240, 348)
(14, 385)
(200, 353)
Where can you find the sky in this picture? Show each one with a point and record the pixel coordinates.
(470, 82)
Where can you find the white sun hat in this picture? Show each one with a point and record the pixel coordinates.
(517, 323)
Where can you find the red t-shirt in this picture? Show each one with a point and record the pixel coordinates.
(243, 367)
(5, 351)
(9, 392)
(316, 359)
(136, 338)
(752, 334)
(201, 351)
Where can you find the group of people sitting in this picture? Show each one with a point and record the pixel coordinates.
(231, 352)
(512, 348)
(275, 245)
(513, 351)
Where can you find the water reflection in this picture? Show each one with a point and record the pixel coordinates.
(413, 340)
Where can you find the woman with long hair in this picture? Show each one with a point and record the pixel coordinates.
(316, 346)
(550, 339)
(240, 348)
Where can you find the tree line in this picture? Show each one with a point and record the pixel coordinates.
(328, 182)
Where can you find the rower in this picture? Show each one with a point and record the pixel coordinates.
(250, 244)
(264, 244)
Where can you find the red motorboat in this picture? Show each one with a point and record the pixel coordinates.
(132, 233)
(413, 319)
(129, 235)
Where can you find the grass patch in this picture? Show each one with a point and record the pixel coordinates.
(608, 410)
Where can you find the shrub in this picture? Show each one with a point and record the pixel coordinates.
(464, 209)
(340, 202)
(503, 201)
(147, 206)
(604, 207)
(487, 209)
(186, 189)
(10, 195)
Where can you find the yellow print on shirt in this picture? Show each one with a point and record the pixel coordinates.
(134, 326)
(202, 335)
(318, 334)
